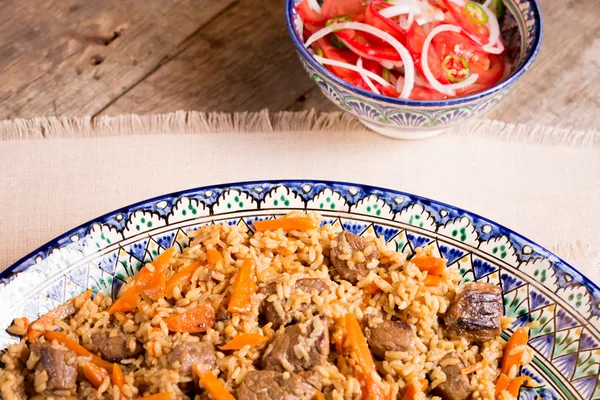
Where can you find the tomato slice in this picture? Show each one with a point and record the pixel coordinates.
(449, 42)
(423, 93)
(374, 18)
(310, 29)
(488, 77)
(479, 32)
(336, 8)
(360, 42)
(414, 42)
(347, 56)
(308, 15)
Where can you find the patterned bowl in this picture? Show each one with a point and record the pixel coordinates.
(536, 284)
(410, 119)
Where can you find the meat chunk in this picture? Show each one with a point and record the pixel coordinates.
(388, 336)
(269, 311)
(303, 346)
(271, 385)
(456, 386)
(185, 355)
(60, 365)
(475, 313)
(351, 255)
(114, 345)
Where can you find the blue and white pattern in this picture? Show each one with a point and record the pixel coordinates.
(536, 285)
(410, 115)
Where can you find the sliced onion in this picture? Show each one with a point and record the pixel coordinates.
(389, 64)
(487, 3)
(461, 3)
(314, 5)
(335, 63)
(430, 13)
(422, 82)
(497, 48)
(494, 28)
(395, 11)
(359, 64)
(445, 89)
(409, 66)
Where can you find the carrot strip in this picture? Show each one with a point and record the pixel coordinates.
(243, 289)
(77, 348)
(118, 379)
(130, 299)
(158, 396)
(366, 370)
(46, 321)
(432, 280)
(432, 265)
(286, 223)
(156, 287)
(518, 338)
(515, 385)
(183, 276)
(414, 388)
(213, 257)
(372, 288)
(472, 368)
(243, 339)
(319, 396)
(212, 384)
(196, 320)
(501, 384)
(94, 374)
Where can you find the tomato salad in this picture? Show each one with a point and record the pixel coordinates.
(408, 49)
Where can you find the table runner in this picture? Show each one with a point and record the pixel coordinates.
(58, 173)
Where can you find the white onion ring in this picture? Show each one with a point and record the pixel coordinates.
(314, 5)
(487, 3)
(335, 63)
(384, 63)
(359, 64)
(494, 28)
(429, 13)
(409, 66)
(445, 89)
(395, 11)
(411, 17)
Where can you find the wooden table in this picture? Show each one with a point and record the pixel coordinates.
(83, 57)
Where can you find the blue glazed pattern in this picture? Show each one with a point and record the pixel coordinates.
(412, 114)
(536, 285)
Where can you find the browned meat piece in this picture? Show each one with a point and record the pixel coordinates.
(475, 313)
(350, 255)
(388, 336)
(268, 310)
(312, 336)
(271, 385)
(60, 365)
(113, 345)
(457, 386)
(185, 355)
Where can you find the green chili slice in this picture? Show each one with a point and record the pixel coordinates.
(337, 20)
(386, 74)
(456, 68)
(476, 13)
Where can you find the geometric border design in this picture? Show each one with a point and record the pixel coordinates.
(536, 284)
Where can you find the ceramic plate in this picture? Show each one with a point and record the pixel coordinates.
(537, 285)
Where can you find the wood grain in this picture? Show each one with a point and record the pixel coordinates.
(72, 58)
(242, 61)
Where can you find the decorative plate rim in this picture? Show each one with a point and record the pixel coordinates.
(558, 262)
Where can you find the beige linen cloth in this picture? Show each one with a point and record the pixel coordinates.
(57, 173)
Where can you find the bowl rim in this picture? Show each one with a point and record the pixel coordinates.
(299, 44)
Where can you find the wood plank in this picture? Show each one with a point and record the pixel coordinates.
(241, 61)
(74, 57)
(563, 87)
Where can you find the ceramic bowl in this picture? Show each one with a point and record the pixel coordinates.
(536, 284)
(410, 119)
